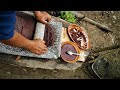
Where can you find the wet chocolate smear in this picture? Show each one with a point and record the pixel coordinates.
(79, 38)
(25, 25)
(49, 36)
(64, 49)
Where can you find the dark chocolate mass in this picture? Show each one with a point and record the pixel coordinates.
(65, 48)
(78, 37)
(49, 36)
(25, 24)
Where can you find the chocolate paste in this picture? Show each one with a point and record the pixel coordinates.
(25, 25)
(49, 36)
(64, 49)
(78, 37)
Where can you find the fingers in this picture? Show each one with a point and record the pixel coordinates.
(39, 40)
(49, 18)
(37, 46)
(42, 41)
(45, 20)
(41, 48)
(42, 51)
(39, 52)
(43, 17)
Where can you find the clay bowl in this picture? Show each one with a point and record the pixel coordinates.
(79, 36)
(69, 46)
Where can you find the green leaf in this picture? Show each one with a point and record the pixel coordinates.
(68, 16)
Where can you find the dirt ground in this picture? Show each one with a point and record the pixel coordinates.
(108, 18)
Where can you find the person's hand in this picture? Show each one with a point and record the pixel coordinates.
(37, 47)
(43, 17)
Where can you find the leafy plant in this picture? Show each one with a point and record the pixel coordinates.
(68, 16)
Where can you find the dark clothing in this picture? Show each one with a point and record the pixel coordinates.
(7, 24)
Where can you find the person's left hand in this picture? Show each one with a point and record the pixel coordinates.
(43, 17)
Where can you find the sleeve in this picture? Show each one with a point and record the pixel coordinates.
(7, 24)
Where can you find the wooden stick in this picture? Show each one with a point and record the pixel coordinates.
(101, 26)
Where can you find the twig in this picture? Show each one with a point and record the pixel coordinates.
(101, 26)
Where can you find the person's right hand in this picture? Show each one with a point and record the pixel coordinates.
(37, 47)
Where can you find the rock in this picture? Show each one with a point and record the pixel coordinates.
(112, 12)
(114, 17)
(8, 73)
(113, 21)
(25, 70)
(110, 24)
(39, 63)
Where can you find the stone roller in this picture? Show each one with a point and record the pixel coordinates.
(39, 31)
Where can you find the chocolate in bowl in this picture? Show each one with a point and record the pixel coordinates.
(69, 46)
(79, 36)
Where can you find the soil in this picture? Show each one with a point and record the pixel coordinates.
(108, 18)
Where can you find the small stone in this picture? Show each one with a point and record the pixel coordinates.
(114, 17)
(34, 69)
(8, 73)
(110, 24)
(24, 70)
(113, 21)
(112, 12)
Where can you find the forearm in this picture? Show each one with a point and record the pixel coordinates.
(17, 40)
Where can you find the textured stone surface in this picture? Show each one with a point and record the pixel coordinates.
(52, 53)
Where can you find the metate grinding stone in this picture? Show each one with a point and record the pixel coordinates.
(79, 36)
(27, 21)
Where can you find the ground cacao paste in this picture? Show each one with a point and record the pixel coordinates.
(25, 25)
(49, 36)
(79, 38)
(64, 49)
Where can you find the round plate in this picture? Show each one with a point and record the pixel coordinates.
(69, 46)
(79, 36)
